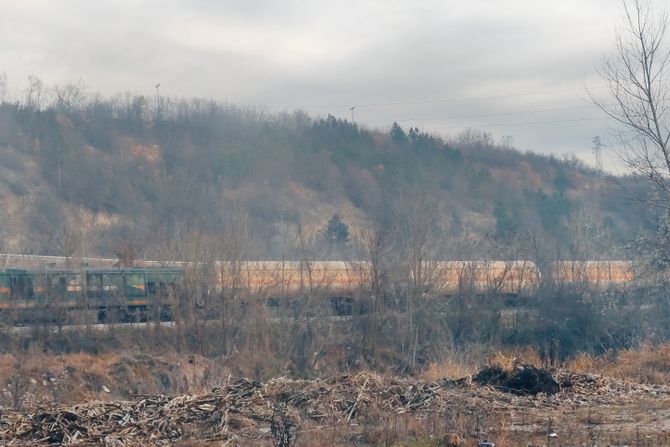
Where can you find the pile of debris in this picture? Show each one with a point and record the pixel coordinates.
(523, 380)
(241, 409)
(245, 410)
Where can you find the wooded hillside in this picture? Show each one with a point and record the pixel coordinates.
(97, 176)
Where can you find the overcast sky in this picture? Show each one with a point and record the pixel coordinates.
(509, 67)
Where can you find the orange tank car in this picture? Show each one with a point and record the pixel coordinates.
(598, 275)
(285, 278)
(502, 277)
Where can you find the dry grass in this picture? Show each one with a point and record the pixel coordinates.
(459, 365)
(448, 368)
(81, 377)
(647, 364)
(48, 379)
(78, 377)
(522, 355)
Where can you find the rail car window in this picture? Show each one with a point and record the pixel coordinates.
(56, 284)
(151, 288)
(94, 285)
(5, 286)
(134, 284)
(73, 283)
(22, 287)
(112, 283)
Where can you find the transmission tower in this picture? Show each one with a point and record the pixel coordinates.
(597, 154)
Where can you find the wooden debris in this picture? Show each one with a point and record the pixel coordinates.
(272, 411)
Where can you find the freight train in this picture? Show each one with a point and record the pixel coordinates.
(438, 278)
(43, 286)
(280, 278)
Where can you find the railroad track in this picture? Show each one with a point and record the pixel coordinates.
(102, 327)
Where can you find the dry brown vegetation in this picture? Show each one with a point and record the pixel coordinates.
(362, 409)
(78, 377)
(647, 364)
(604, 400)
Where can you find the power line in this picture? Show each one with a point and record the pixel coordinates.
(456, 99)
(532, 123)
(484, 115)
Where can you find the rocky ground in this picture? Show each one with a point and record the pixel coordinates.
(524, 406)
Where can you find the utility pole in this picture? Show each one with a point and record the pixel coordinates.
(352, 108)
(597, 154)
(158, 101)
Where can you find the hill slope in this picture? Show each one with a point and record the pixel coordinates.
(113, 175)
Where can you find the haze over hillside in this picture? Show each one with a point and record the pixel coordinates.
(509, 67)
(88, 175)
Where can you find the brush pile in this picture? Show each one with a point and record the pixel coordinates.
(245, 411)
(523, 379)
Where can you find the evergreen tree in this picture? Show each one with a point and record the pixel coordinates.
(397, 134)
(337, 232)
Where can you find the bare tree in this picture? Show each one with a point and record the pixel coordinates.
(420, 244)
(33, 93)
(474, 137)
(374, 273)
(70, 97)
(636, 75)
(376, 249)
(231, 250)
(637, 99)
(68, 243)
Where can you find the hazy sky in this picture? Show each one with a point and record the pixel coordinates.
(509, 67)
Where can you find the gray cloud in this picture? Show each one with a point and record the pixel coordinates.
(316, 55)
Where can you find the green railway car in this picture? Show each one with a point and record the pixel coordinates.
(124, 291)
